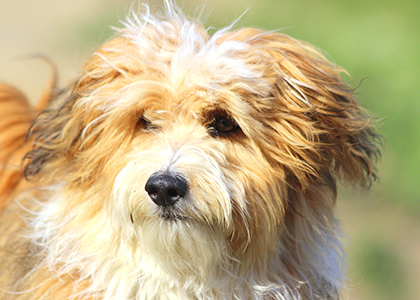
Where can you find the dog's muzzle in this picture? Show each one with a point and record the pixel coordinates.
(166, 189)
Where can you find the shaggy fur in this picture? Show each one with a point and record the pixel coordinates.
(259, 125)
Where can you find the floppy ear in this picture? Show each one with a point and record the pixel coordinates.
(319, 126)
(64, 132)
(344, 134)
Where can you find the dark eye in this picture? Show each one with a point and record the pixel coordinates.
(223, 125)
(143, 123)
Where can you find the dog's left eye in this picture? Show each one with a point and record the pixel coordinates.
(223, 125)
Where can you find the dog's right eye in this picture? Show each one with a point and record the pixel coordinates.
(143, 123)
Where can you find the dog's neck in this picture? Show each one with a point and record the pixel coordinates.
(166, 259)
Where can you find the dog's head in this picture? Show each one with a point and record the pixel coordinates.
(205, 148)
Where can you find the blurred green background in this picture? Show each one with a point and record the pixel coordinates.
(377, 41)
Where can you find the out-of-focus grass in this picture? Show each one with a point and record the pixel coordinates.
(382, 270)
(86, 35)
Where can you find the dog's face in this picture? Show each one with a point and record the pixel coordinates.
(206, 147)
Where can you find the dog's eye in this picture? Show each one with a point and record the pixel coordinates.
(223, 126)
(143, 123)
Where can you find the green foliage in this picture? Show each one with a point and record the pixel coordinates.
(381, 269)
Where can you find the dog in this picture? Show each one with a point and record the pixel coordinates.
(182, 165)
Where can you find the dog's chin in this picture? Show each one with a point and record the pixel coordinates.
(179, 244)
(171, 214)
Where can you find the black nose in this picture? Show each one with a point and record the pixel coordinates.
(166, 189)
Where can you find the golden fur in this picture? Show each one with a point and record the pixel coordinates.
(258, 220)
